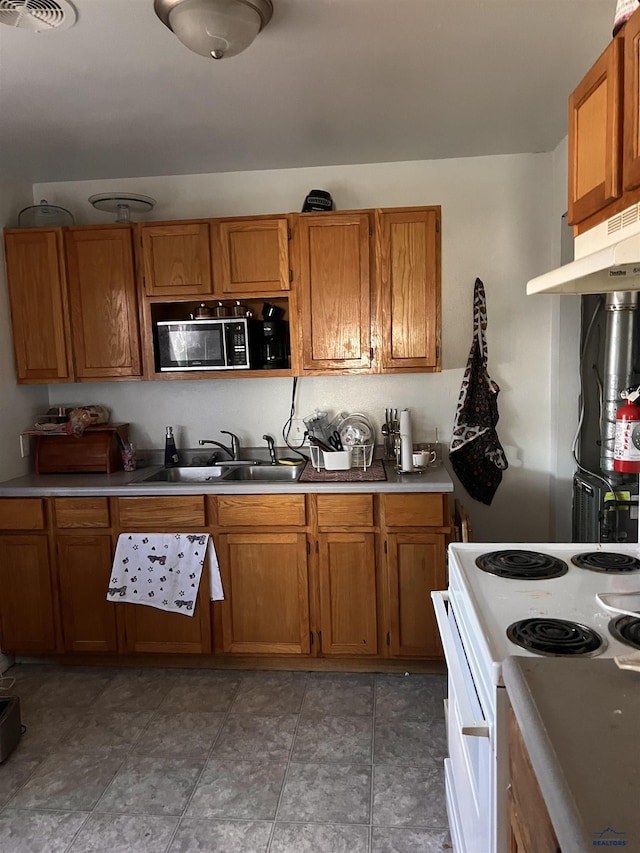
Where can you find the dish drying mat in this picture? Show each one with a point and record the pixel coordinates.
(354, 475)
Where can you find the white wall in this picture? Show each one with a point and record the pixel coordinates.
(564, 377)
(498, 223)
(18, 403)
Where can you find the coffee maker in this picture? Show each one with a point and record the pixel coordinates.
(271, 344)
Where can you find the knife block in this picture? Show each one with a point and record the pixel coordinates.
(97, 450)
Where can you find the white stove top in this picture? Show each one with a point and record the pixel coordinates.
(488, 604)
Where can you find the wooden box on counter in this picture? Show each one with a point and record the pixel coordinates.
(97, 450)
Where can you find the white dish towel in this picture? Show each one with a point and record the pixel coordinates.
(163, 570)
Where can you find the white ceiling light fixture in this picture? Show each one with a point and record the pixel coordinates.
(215, 28)
(124, 204)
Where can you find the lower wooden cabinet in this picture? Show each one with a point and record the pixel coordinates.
(27, 610)
(148, 629)
(416, 563)
(348, 599)
(530, 827)
(331, 575)
(266, 585)
(84, 568)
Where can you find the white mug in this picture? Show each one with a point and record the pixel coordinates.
(423, 458)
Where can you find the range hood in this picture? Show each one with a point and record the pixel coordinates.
(607, 260)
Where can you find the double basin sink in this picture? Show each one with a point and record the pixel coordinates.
(237, 471)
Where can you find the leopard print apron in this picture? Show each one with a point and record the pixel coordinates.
(475, 452)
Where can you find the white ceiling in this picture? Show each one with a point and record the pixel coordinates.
(327, 82)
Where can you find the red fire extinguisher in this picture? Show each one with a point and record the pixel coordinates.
(626, 447)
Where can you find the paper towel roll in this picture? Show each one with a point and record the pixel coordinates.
(407, 440)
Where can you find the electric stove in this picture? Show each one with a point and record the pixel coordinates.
(528, 600)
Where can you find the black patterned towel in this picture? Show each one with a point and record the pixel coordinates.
(476, 454)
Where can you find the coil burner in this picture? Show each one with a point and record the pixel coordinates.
(627, 630)
(521, 565)
(555, 637)
(606, 561)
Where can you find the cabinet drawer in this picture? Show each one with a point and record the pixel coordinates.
(345, 510)
(423, 510)
(171, 512)
(21, 514)
(81, 512)
(261, 511)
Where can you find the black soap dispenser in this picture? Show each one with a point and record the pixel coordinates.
(170, 450)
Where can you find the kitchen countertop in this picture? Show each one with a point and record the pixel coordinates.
(128, 484)
(580, 721)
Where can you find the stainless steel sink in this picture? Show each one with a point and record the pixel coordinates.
(242, 472)
(265, 474)
(193, 474)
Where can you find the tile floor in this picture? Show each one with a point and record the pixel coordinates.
(175, 760)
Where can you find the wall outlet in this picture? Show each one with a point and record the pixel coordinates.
(298, 430)
(25, 446)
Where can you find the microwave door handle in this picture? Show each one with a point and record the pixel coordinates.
(225, 344)
(469, 725)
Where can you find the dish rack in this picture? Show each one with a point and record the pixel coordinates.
(361, 456)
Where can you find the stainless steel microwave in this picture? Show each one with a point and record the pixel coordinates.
(211, 344)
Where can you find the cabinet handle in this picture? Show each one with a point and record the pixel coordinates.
(311, 638)
(319, 641)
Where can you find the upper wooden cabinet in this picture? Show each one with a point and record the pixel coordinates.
(102, 298)
(408, 289)
(631, 174)
(250, 256)
(333, 280)
(355, 317)
(604, 133)
(595, 149)
(37, 292)
(176, 259)
(223, 258)
(359, 289)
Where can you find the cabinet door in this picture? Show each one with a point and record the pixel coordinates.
(416, 563)
(251, 256)
(408, 289)
(595, 136)
(148, 629)
(531, 827)
(631, 169)
(84, 569)
(265, 582)
(334, 290)
(35, 278)
(26, 598)
(176, 259)
(348, 600)
(102, 293)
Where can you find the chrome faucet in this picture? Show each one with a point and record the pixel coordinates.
(233, 450)
(272, 449)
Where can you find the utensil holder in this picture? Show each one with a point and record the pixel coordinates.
(338, 460)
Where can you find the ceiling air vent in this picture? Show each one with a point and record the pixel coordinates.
(37, 15)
